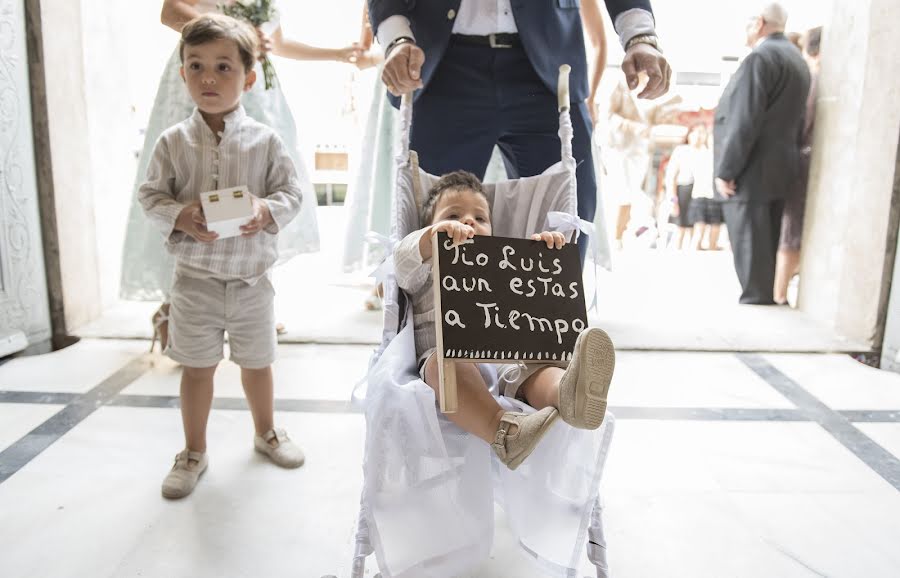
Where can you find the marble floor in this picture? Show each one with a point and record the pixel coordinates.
(722, 465)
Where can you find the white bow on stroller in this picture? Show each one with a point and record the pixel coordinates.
(429, 488)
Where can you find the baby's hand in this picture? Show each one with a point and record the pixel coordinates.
(261, 217)
(192, 222)
(552, 238)
(459, 232)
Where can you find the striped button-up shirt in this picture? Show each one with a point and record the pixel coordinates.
(187, 161)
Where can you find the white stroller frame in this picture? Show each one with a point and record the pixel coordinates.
(439, 494)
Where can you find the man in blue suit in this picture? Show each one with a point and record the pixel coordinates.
(485, 73)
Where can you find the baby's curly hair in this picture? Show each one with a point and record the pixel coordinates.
(211, 27)
(455, 181)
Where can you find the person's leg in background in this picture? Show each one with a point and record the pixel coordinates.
(754, 243)
(787, 261)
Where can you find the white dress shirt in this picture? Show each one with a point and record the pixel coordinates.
(187, 161)
(483, 17)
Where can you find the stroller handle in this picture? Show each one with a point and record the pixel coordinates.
(562, 87)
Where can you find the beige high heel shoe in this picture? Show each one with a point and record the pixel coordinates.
(160, 321)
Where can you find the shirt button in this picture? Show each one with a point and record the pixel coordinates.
(451, 14)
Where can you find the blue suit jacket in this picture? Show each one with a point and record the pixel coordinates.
(550, 31)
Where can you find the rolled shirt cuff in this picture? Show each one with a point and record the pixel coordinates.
(392, 28)
(634, 22)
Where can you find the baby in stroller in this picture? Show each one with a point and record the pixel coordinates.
(457, 205)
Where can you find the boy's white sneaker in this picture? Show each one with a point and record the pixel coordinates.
(182, 479)
(285, 453)
(585, 384)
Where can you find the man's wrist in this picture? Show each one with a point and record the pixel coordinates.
(650, 39)
(397, 42)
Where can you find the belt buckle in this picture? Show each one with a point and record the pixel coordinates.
(495, 44)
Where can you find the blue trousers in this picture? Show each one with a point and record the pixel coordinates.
(481, 96)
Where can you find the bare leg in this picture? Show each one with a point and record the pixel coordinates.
(196, 402)
(622, 221)
(714, 237)
(787, 263)
(697, 239)
(682, 233)
(260, 394)
(478, 413)
(541, 389)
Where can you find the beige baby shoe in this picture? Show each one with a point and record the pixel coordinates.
(188, 468)
(285, 453)
(513, 448)
(585, 384)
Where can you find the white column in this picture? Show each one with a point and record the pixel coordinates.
(848, 230)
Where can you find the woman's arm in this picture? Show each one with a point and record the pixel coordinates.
(369, 56)
(176, 13)
(289, 48)
(592, 20)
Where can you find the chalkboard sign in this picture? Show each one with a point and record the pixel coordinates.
(505, 300)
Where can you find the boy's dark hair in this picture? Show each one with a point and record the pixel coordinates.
(457, 180)
(813, 41)
(212, 27)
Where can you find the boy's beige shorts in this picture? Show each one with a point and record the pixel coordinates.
(203, 310)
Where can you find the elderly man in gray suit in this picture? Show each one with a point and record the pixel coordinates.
(758, 126)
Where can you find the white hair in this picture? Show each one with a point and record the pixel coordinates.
(774, 14)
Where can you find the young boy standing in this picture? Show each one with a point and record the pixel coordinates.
(221, 284)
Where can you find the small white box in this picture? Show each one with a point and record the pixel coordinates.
(226, 210)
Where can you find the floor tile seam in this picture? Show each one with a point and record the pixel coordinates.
(667, 413)
(32, 444)
(878, 458)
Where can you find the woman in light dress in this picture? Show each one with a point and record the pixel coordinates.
(147, 268)
(689, 183)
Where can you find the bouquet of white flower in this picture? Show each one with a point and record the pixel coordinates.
(257, 13)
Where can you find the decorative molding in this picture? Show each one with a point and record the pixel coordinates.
(23, 293)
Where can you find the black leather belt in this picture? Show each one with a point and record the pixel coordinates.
(499, 40)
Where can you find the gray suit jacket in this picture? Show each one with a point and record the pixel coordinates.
(759, 122)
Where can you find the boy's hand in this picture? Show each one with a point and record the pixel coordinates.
(458, 232)
(262, 217)
(192, 222)
(552, 238)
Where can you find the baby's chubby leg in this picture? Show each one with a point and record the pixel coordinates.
(478, 413)
(512, 435)
(541, 389)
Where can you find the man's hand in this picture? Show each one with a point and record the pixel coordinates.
(552, 238)
(402, 71)
(726, 188)
(192, 222)
(642, 57)
(262, 217)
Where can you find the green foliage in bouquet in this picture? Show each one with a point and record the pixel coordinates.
(257, 13)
